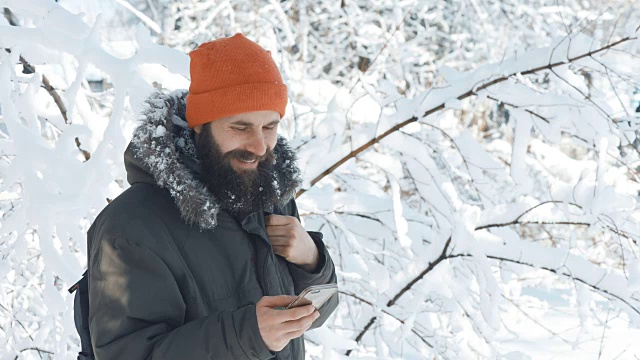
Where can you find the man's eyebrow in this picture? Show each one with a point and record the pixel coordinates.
(248, 124)
(242, 123)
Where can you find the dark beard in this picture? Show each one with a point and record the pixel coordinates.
(239, 193)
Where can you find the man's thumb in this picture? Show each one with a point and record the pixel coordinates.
(275, 301)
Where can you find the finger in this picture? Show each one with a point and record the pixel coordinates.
(297, 333)
(282, 251)
(301, 324)
(278, 230)
(278, 241)
(295, 313)
(275, 301)
(277, 220)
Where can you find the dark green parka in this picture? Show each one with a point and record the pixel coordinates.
(173, 276)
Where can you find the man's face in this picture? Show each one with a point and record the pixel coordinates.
(244, 138)
(237, 160)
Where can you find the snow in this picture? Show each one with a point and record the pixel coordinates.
(400, 221)
(160, 131)
(506, 228)
(453, 104)
(518, 155)
(450, 75)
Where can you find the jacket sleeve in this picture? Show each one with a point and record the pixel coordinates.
(324, 273)
(137, 312)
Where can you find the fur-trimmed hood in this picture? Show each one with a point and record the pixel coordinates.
(162, 152)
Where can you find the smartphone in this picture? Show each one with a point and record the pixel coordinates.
(315, 295)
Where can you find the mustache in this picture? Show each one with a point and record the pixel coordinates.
(247, 155)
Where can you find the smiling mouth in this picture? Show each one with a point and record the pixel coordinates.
(247, 163)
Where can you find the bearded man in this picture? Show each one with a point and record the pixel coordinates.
(192, 259)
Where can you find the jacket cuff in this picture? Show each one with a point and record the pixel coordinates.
(245, 321)
(322, 272)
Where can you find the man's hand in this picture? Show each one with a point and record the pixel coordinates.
(278, 327)
(291, 241)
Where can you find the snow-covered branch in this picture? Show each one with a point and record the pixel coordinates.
(483, 78)
(473, 166)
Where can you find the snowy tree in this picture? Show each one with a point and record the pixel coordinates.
(474, 166)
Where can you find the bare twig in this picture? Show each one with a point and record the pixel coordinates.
(144, 18)
(40, 351)
(517, 219)
(368, 66)
(604, 329)
(470, 92)
(535, 320)
(431, 266)
(445, 256)
(359, 298)
(558, 272)
(49, 88)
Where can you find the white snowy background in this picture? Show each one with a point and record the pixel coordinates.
(474, 165)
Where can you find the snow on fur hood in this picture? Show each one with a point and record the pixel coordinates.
(162, 152)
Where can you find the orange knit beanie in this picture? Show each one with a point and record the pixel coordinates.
(231, 76)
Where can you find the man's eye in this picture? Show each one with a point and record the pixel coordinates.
(240, 129)
(270, 127)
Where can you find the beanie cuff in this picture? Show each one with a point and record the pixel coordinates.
(213, 105)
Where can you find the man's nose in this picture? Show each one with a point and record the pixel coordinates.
(257, 144)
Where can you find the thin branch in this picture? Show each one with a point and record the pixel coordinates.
(144, 18)
(58, 100)
(526, 314)
(604, 329)
(444, 256)
(391, 302)
(49, 88)
(40, 351)
(368, 66)
(555, 271)
(428, 112)
(47, 85)
(464, 160)
(516, 220)
(421, 336)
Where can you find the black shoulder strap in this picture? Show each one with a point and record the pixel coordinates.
(81, 316)
(75, 286)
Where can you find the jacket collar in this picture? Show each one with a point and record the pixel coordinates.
(162, 152)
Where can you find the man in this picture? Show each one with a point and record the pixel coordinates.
(192, 259)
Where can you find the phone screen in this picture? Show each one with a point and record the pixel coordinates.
(314, 295)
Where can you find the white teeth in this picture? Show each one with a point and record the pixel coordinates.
(248, 161)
